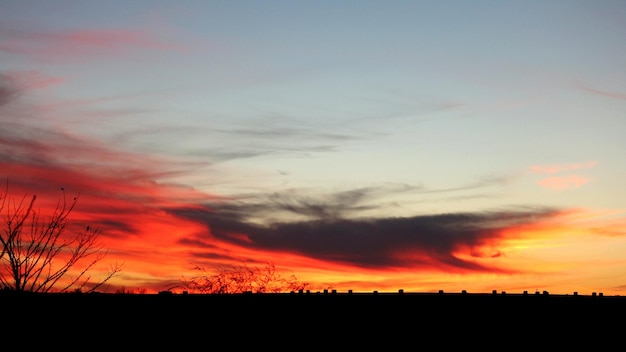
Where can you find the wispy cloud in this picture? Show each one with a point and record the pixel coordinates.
(604, 93)
(556, 168)
(122, 193)
(32, 79)
(71, 45)
(43, 159)
(560, 183)
(7, 90)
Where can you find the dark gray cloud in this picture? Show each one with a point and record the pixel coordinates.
(426, 241)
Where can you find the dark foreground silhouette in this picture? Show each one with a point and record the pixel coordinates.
(328, 305)
(319, 320)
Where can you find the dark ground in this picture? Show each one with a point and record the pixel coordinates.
(325, 320)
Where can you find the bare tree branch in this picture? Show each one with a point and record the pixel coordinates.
(37, 254)
(241, 279)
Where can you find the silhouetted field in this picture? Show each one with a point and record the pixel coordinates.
(329, 304)
(323, 320)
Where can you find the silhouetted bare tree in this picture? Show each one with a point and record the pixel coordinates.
(37, 253)
(241, 279)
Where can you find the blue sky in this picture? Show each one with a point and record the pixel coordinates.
(293, 111)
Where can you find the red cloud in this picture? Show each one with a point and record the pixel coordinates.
(124, 194)
(82, 43)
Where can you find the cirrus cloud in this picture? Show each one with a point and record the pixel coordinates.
(76, 44)
(556, 168)
(561, 183)
(32, 79)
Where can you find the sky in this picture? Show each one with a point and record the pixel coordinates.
(357, 145)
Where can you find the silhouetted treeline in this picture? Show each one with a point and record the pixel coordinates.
(325, 320)
(325, 302)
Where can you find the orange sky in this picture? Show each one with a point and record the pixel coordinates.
(161, 231)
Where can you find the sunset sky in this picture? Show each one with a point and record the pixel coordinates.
(363, 145)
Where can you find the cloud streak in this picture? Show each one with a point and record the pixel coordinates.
(41, 160)
(604, 93)
(72, 45)
(560, 183)
(556, 168)
(32, 79)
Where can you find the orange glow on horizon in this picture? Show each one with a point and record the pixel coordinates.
(146, 238)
